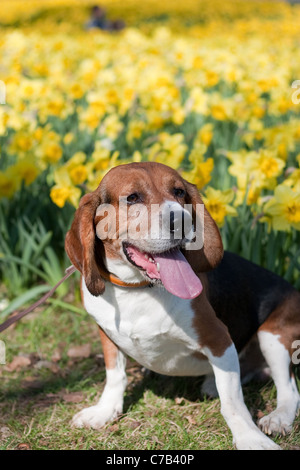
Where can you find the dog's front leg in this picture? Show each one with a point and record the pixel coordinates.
(110, 404)
(246, 434)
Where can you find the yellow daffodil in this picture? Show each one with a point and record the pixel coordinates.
(77, 159)
(137, 156)
(283, 209)
(68, 138)
(169, 150)
(205, 134)
(200, 175)
(26, 170)
(78, 174)
(257, 169)
(264, 165)
(217, 203)
(21, 143)
(52, 152)
(64, 190)
(59, 195)
(90, 119)
(293, 180)
(198, 101)
(135, 130)
(9, 183)
(112, 126)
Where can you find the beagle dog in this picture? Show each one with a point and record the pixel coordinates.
(178, 306)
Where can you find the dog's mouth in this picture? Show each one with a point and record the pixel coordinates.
(170, 267)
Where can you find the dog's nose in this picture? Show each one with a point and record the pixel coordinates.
(176, 219)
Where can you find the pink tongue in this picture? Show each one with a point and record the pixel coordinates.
(177, 275)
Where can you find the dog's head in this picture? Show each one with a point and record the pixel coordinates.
(146, 216)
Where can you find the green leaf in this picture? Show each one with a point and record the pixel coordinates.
(67, 306)
(16, 260)
(23, 299)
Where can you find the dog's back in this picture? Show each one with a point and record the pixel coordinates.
(244, 295)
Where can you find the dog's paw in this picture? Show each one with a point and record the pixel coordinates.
(255, 440)
(275, 423)
(94, 417)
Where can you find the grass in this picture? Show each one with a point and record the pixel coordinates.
(38, 401)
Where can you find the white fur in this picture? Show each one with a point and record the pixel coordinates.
(246, 435)
(288, 399)
(110, 404)
(150, 325)
(156, 329)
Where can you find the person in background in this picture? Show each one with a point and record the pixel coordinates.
(98, 20)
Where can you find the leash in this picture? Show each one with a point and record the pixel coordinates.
(69, 271)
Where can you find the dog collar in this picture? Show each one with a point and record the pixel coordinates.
(118, 282)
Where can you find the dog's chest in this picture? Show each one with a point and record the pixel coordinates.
(151, 326)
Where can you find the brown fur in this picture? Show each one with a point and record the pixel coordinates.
(285, 321)
(80, 243)
(110, 350)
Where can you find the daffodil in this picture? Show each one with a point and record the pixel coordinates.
(77, 159)
(137, 156)
(22, 142)
(9, 183)
(135, 130)
(26, 170)
(264, 166)
(293, 180)
(238, 167)
(169, 150)
(201, 168)
(64, 190)
(78, 174)
(112, 126)
(200, 175)
(68, 138)
(217, 203)
(90, 119)
(52, 152)
(283, 209)
(205, 134)
(198, 101)
(255, 170)
(59, 195)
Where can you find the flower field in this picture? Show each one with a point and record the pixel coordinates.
(204, 87)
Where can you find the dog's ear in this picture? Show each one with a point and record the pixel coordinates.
(82, 245)
(211, 253)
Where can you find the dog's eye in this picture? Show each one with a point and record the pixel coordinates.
(133, 198)
(178, 192)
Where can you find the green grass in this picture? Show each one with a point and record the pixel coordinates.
(38, 402)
